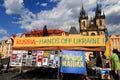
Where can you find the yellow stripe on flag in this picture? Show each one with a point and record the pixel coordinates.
(107, 52)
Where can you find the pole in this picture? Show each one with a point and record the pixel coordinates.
(20, 69)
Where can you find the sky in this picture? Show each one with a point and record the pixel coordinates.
(21, 16)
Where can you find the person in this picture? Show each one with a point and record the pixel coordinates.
(1, 66)
(98, 60)
(114, 60)
(119, 65)
(86, 75)
(90, 56)
(107, 63)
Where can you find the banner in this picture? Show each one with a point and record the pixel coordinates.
(59, 41)
(73, 62)
(107, 46)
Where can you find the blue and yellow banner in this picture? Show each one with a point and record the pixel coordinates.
(73, 62)
(107, 46)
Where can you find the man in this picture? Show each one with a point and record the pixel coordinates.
(119, 65)
(114, 60)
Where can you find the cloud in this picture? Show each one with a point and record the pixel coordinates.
(65, 14)
(114, 29)
(54, 0)
(43, 4)
(3, 31)
(112, 13)
(4, 34)
(13, 6)
(17, 7)
(4, 38)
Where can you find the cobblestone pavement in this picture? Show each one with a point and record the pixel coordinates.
(38, 74)
(7, 75)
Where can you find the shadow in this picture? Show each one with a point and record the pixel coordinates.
(41, 73)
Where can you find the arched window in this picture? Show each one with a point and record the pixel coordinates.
(92, 34)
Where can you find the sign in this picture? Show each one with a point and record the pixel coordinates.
(73, 62)
(59, 41)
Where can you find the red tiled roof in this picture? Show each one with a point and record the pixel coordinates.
(50, 31)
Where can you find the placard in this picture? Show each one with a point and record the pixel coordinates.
(73, 62)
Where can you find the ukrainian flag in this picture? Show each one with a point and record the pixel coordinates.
(107, 46)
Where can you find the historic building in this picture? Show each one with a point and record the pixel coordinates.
(48, 32)
(115, 42)
(96, 26)
(6, 47)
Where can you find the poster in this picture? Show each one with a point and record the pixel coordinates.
(39, 58)
(45, 62)
(28, 63)
(16, 58)
(56, 61)
(46, 54)
(52, 61)
(73, 62)
(24, 58)
(34, 58)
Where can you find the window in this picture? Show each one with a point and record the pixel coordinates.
(83, 23)
(92, 34)
(100, 22)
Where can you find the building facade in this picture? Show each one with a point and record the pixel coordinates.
(6, 48)
(115, 42)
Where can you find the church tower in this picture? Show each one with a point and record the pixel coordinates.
(100, 20)
(83, 22)
(96, 25)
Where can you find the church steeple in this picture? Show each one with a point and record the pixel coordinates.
(98, 11)
(83, 21)
(82, 12)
